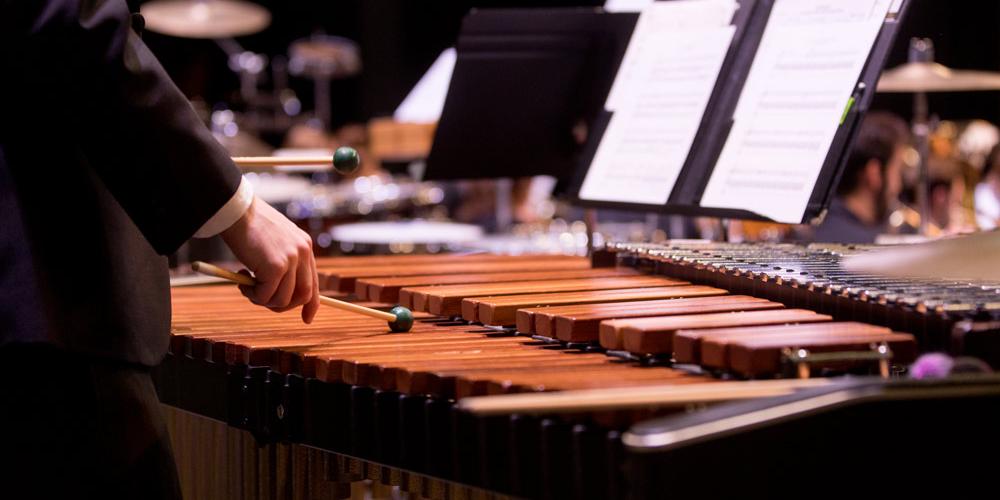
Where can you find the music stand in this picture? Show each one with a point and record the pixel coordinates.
(685, 199)
(526, 81)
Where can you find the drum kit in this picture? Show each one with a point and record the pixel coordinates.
(319, 58)
(316, 206)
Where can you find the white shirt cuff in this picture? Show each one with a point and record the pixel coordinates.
(229, 213)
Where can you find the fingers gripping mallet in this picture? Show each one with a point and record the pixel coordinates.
(400, 319)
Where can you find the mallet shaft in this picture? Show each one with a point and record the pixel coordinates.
(242, 279)
(278, 163)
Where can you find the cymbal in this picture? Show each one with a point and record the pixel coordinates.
(324, 56)
(934, 77)
(205, 18)
(974, 257)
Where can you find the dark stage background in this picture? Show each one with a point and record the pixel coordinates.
(399, 40)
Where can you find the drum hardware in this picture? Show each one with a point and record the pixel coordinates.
(221, 21)
(246, 64)
(324, 58)
(270, 111)
(274, 112)
(237, 140)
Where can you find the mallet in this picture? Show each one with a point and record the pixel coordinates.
(400, 318)
(345, 160)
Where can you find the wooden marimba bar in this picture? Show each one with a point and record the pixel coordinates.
(486, 326)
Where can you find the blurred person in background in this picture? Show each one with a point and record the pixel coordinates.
(871, 182)
(987, 193)
(946, 194)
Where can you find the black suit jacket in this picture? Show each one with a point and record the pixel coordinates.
(104, 168)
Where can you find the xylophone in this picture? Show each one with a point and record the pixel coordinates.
(525, 376)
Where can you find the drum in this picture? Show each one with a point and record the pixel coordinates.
(364, 198)
(400, 237)
(278, 190)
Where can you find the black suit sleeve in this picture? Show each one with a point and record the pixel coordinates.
(79, 63)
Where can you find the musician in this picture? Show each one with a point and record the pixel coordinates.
(987, 194)
(104, 169)
(870, 184)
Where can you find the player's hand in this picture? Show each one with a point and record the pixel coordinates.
(280, 256)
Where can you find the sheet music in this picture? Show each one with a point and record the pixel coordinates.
(803, 76)
(657, 23)
(425, 102)
(649, 137)
(626, 5)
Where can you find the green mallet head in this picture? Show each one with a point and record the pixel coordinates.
(404, 320)
(346, 160)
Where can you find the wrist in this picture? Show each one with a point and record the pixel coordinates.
(230, 213)
(239, 229)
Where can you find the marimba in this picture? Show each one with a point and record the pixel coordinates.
(524, 376)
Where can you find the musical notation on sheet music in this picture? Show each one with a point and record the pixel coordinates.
(648, 138)
(802, 78)
(658, 98)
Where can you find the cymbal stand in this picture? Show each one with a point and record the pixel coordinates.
(247, 64)
(265, 111)
(922, 50)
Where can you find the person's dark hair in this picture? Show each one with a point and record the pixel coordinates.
(881, 133)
